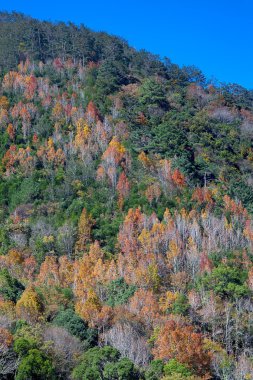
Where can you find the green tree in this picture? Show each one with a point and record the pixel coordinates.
(226, 281)
(104, 363)
(180, 306)
(122, 370)
(155, 370)
(35, 366)
(174, 367)
(76, 326)
(152, 93)
(10, 288)
(23, 345)
(118, 292)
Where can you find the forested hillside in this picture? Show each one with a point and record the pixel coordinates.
(126, 201)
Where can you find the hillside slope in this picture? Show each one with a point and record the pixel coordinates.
(125, 212)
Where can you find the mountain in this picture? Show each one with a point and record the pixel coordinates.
(125, 212)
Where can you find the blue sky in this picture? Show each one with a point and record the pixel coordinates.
(216, 36)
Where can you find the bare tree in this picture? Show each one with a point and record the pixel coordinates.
(8, 361)
(129, 341)
(66, 238)
(64, 347)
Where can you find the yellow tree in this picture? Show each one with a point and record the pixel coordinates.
(30, 306)
(49, 272)
(81, 137)
(90, 308)
(4, 102)
(89, 273)
(84, 232)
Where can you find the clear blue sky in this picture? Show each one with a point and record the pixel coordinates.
(216, 36)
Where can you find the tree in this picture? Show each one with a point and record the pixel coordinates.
(64, 349)
(153, 192)
(123, 369)
(10, 288)
(30, 306)
(118, 292)
(49, 272)
(128, 337)
(178, 178)
(169, 179)
(180, 342)
(81, 142)
(84, 232)
(11, 131)
(4, 102)
(112, 158)
(130, 230)
(69, 320)
(50, 157)
(226, 281)
(154, 370)
(35, 365)
(66, 238)
(152, 92)
(123, 188)
(104, 363)
(90, 307)
(174, 367)
(90, 271)
(93, 362)
(56, 273)
(175, 303)
(144, 305)
(7, 311)
(8, 358)
(92, 113)
(111, 74)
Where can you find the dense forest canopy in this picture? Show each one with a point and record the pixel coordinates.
(126, 205)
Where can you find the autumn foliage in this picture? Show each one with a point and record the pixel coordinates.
(176, 341)
(126, 227)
